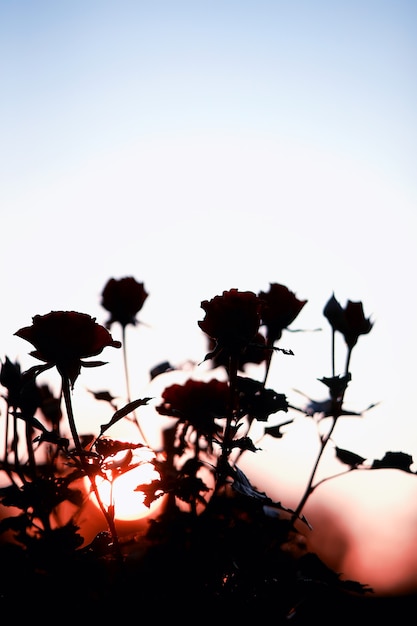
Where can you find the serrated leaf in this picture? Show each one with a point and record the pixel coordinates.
(394, 460)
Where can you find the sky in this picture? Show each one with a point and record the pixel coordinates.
(202, 146)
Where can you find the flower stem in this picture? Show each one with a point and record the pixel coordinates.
(310, 486)
(231, 416)
(29, 447)
(268, 362)
(127, 379)
(337, 406)
(348, 356)
(109, 517)
(66, 388)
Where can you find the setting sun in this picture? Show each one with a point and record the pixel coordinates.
(206, 206)
(121, 492)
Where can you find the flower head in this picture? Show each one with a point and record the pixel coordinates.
(196, 403)
(123, 298)
(350, 321)
(279, 309)
(63, 338)
(232, 320)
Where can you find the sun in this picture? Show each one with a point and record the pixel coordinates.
(129, 504)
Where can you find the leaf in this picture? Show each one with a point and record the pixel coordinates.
(394, 460)
(33, 421)
(271, 508)
(119, 466)
(93, 363)
(349, 458)
(121, 413)
(161, 368)
(275, 431)
(109, 447)
(152, 491)
(283, 350)
(37, 369)
(103, 395)
(244, 443)
(242, 485)
(54, 438)
(257, 401)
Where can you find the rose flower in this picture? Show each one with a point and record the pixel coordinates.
(197, 404)
(232, 321)
(64, 338)
(123, 298)
(350, 321)
(280, 307)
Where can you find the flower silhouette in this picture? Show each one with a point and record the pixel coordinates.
(197, 404)
(123, 298)
(64, 338)
(213, 533)
(279, 309)
(350, 321)
(232, 321)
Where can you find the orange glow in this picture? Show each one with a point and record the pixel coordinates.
(129, 504)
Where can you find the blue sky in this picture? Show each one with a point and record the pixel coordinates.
(200, 146)
(84, 77)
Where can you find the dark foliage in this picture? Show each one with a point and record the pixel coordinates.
(218, 547)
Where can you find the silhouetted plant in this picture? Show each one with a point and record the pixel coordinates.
(216, 535)
(124, 298)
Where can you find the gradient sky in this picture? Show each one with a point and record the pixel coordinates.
(200, 146)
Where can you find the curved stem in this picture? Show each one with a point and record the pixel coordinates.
(107, 512)
(268, 365)
(338, 403)
(326, 478)
(310, 486)
(66, 390)
(127, 379)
